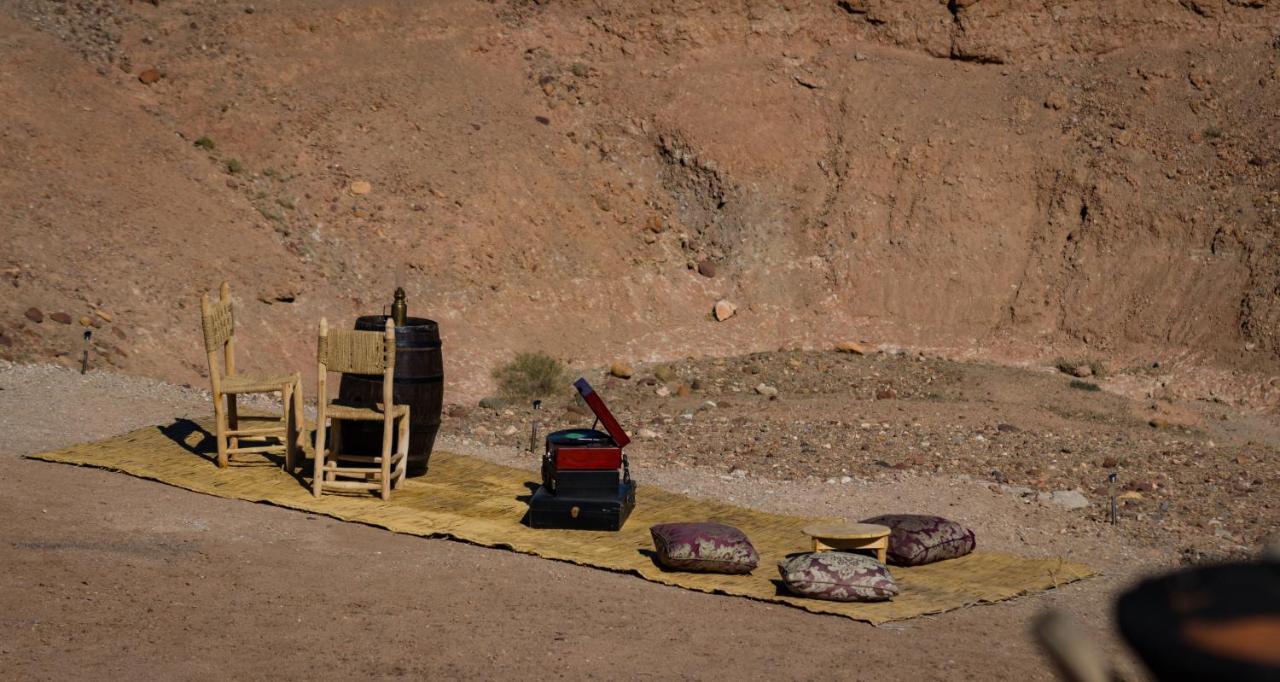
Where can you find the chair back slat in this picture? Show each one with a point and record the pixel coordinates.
(355, 352)
(219, 325)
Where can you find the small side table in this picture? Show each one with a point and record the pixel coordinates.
(845, 537)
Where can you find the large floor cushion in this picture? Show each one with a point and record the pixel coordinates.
(916, 539)
(703, 546)
(837, 576)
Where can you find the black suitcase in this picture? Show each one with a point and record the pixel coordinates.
(582, 513)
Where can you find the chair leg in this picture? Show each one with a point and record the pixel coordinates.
(299, 420)
(290, 439)
(317, 467)
(220, 429)
(233, 420)
(335, 435)
(404, 449)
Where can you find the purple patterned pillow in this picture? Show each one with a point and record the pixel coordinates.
(706, 546)
(838, 576)
(915, 540)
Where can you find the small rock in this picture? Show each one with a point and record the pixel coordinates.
(683, 391)
(480, 430)
(509, 431)
(1056, 101)
(493, 403)
(63, 318)
(361, 187)
(1158, 422)
(457, 411)
(149, 76)
(696, 384)
(664, 374)
(103, 315)
(1067, 499)
(1129, 495)
(707, 269)
(1007, 428)
(663, 391)
(86, 321)
(621, 370)
(766, 390)
(724, 310)
(1110, 462)
(708, 405)
(34, 315)
(886, 394)
(646, 434)
(854, 347)
(1081, 371)
(647, 381)
(846, 479)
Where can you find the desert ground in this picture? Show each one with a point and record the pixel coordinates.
(1049, 229)
(108, 575)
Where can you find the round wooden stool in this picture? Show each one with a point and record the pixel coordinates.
(845, 537)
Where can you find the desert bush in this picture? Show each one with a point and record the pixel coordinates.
(234, 166)
(1084, 385)
(204, 142)
(530, 375)
(1065, 365)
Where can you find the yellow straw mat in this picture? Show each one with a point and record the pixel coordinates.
(477, 501)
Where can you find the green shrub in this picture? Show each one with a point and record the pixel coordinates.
(205, 143)
(234, 166)
(530, 375)
(1084, 385)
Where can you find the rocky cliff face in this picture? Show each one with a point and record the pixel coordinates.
(986, 178)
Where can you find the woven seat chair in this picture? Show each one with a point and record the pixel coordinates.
(286, 430)
(359, 352)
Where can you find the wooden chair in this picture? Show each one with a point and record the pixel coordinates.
(359, 352)
(287, 429)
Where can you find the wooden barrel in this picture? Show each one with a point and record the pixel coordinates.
(419, 383)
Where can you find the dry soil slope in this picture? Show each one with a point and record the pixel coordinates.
(1092, 178)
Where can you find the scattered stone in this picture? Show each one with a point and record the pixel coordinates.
(63, 318)
(646, 434)
(1081, 370)
(846, 479)
(103, 315)
(149, 76)
(724, 310)
(34, 315)
(854, 347)
(1129, 495)
(886, 394)
(1056, 101)
(708, 405)
(621, 370)
(509, 431)
(457, 411)
(1007, 428)
(707, 269)
(663, 391)
(86, 321)
(361, 187)
(766, 390)
(493, 403)
(1158, 423)
(1067, 499)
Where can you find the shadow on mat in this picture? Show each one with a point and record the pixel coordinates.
(533, 488)
(181, 431)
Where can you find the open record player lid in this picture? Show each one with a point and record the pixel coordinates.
(606, 418)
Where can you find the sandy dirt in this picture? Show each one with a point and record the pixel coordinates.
(104, 574)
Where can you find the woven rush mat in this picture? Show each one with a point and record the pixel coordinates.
(473, 500)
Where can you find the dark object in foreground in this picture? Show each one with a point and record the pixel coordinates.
(586, 482)
(1207, 623)
(419, 383)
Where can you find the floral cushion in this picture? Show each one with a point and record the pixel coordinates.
(837, 576)
(915, 540)
(706, 546)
